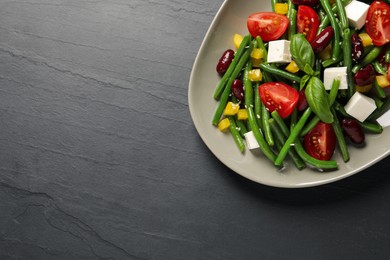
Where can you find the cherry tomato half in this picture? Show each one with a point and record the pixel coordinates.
(307, 22)
(378, 23)
(269, 26)
(320, 142)
(279, 96)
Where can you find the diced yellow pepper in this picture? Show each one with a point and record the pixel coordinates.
(223, 125)
(231, 109)
(366, 39)
(292, 67)
(257, 53)
(382, 81)
(242, 114)
(363, 89)
(237, 39)
(281, 8)
(255, 75)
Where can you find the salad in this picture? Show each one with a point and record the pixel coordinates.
(310, 77)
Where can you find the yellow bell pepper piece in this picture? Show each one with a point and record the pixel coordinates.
(363, 89)
(255, 75)
(242, 114)
(231, 109)
(281, 8)
(382, 81)
(223, 125)
(292, 67)
(366, 39)
(257, 53)
(237, 39)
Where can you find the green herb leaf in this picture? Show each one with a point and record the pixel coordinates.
(304, 80)
(309, 70)
(317, 99)
(302, 53)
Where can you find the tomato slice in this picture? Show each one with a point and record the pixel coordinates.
(320, 142)
(378, 23)
(307, 22)
(269, 26)
(279, 96)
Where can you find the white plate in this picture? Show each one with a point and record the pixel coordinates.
(231, 19)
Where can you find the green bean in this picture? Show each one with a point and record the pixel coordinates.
(370, 57)
(236, 134)
(318, 66)
(280, 139)
(292, 137)
(227, 91)
(378, 102)
(293, 119)
(379, 111)
(378, 90)
(387, 54)
(340, 108)
(292, 17)
(336, 38)
(280, 72)
(279, 120)
(325, 21)
(342, 16)
(260, 44)
(273, 2)
(309, 126)
(319, 164)
(266, 127)
(333, 91)
(257, 107)
(375, 128)
(331, 61)
(347, 50)
(340, 136)
(225, 78)
(266, 77)
(241, 126)
(379, 68)
(252, 118)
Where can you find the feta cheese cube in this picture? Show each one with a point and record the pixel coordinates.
(360, 106)
(339, 73)
(279, 51)
(251, 140)
(356, 13)
(384, 120)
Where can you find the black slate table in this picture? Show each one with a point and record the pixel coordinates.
(99, 158)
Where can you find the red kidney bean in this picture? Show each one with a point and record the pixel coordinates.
(311, 3)
(357, 47)
(353, 130)
(302, 102)
(365, 75)
(323, 39)
(238, 89)
(224, 61)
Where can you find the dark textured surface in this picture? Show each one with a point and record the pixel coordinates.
(99, 157)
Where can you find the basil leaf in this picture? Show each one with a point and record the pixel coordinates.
(304, 80)
(317, 99)
(309, 70)
(302, 53)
